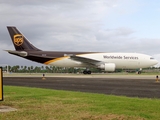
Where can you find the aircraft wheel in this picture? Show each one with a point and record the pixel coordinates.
(86, 72)
(89, 72)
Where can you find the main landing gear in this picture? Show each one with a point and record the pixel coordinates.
(140, 71)
(86, 72)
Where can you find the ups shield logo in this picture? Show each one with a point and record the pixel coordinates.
(18, 39)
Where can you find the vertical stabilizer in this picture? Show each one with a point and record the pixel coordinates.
(20, 42)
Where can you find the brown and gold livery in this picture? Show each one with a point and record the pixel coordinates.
(104, 61)
(28, 51)
(18, 39)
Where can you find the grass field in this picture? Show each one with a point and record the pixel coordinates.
(46, 104)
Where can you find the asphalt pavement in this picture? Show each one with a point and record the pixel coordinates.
(130, 87)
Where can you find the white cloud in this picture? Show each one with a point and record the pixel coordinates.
(84, 25)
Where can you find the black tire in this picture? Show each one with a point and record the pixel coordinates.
(89, 72)
(84, 72)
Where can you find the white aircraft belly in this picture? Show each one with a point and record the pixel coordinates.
(120, 63)
(134, 60)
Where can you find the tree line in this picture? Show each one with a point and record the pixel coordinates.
(54, 69)
(42, 69)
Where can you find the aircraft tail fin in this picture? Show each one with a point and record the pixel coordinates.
(19, 40)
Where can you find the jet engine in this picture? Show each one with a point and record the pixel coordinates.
(110, 67)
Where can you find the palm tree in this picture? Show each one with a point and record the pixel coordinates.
(22, 67)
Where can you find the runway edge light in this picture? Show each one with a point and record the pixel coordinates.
(1, 84)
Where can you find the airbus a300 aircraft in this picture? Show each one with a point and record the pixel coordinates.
(101, 60)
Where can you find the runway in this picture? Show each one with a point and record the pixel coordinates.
(130, 87)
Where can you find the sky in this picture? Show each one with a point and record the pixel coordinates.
(81, 25)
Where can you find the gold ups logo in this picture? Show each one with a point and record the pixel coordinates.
(18, 39)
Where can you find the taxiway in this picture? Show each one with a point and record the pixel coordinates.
(129, 86)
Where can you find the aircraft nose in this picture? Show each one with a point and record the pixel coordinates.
(155, 61)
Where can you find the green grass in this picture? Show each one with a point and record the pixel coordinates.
(46, 104)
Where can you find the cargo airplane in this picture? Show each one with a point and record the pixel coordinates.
(101, 60)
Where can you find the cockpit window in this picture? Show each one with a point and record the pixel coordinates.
(152, 58)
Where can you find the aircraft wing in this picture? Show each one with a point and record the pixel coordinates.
(88, 61)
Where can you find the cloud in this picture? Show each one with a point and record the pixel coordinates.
(72, 25)
(113, 33)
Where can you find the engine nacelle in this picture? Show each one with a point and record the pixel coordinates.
(110, 67)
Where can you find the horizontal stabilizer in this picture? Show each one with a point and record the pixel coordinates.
(20, 53)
